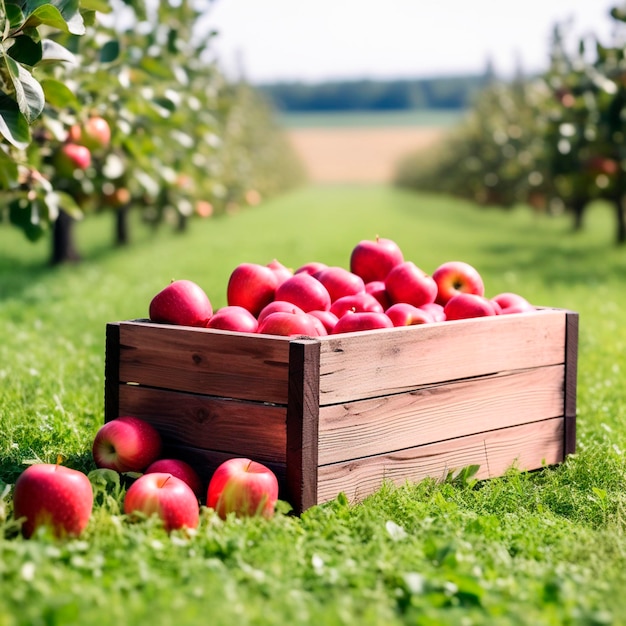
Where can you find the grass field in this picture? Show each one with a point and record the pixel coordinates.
(546, 548)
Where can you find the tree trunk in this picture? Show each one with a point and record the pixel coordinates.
(620, 214)
(122, 226)
(578, 210)
(181, 222)
(64, 248)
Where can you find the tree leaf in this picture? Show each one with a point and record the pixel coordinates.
(54, 52)
(14, 15)
(13, 125)
(102, 6)
(59, 95)
(110, 51)
(8, 171)
(26, 50)
(28, 92)
(66, 18)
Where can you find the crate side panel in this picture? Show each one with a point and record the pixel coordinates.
(376, 363)
(246, 428)
(199, 360)
(527, 447)
(438, 412)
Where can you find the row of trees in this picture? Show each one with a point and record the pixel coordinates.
(182, 141)
(555, 142)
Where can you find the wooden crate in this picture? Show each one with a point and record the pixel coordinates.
(346, 413)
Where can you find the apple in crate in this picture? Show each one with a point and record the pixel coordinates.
(183, 303)
(54, 496)
(282, 272)
(467, 305)
(166, 496)
(278, 305)
(453, 277)
(235, 318)
(289, 323)
(512, 303)
(340, 282)
(377, 289)
(252, 286)
(328, 319)
(408, 283)
(355, 303)
(361, 320)
(243, 487)
(405, 314)
(179, 468)
(312, 267)
(126, 444)
(304, 291)
(373, 260)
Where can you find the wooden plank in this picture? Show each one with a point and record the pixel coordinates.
(528, 447)
(364, 365)
(302, 424)
(205, 462)
(571, 372)
(111, 372)
(439, 412)
(200, 360)
(246, 428)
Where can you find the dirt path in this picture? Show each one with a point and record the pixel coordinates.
(357, 155)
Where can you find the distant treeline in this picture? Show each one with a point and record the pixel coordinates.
(376, 95)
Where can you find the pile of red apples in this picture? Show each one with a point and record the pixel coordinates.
(379, 290)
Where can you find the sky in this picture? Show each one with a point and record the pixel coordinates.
(318, 40)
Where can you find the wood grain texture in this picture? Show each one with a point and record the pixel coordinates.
(111, 372)
(199, 360)
(438, 412)
(246, 428)
(527, 447)
(355, 366)
(571, 374)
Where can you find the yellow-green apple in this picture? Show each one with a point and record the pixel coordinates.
(282, 272)
(304, 291)
(379, 291)
(126, 444)
(312, 267)
(242, 487)
(408, 283)
(52, 496)
(466, 305)
(453, 277)
(183, 303)
(435, 311)
(235, 318)
(166, 496)
(354, 303)
(340, 282)
(252, 286)
(373, 260)
(288, 323)
(70, 157)
(361, 321)
(512, 303)
(278, 305)
(327, 318)
(405, 314)
(179, 468)
(95, 133)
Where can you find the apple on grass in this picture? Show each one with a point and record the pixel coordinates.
(304, 291)
(467, 305)
(408, 283)
(453, 277)
(373, 260)
(361, 321)
(340, 282)
(235, 318)
(126, 444)
(52, 496)
(183, 303)
(166, 496)
(179, 468)
(243, 487)
(251, 286)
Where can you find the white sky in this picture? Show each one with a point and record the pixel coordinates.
(312, 40)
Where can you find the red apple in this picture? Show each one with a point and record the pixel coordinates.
(373, 260)
(252, 286)
(405, 314)
(96, 133)
(327, 318)
(361, 321)
(278, 305)
(512, 303)
(166, 496)
(466, 305)
(408, 283)
(183, 303)
(243, 487)
(434, 310)
(312, 267)
(304, 291)
(379, 291)
(340, 282)
(126, 444)
(282, 272)
(235, 318)
(455, 277)
(71, 157)
(54, 496)
(357, 302)
(287, 323)
(179, 468)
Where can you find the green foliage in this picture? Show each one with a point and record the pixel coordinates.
(544, 548)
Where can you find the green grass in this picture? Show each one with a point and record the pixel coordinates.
(541, 548)
(370, 119)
